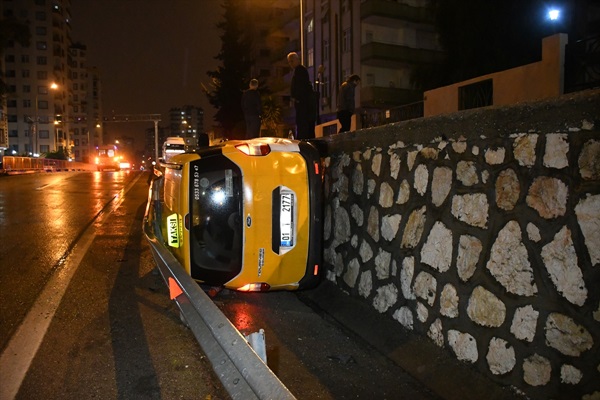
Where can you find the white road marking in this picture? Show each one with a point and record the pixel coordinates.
(24, 344)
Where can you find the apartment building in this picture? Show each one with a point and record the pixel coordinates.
(53, 101)
(186, 122)
(83, 120)
(383, 41)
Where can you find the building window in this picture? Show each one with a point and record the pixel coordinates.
(370, 80)
(44, 133)
(10, 73)
(41, 45)
(345, 6)
(42, 75)
(311, 57)
(325, 50)
(44, 148)
(346, 36)
(41, 60)
(40, 16)
(13, 133)
(26, 103)
(42, 104)
(478, 94)
(26, 89)
(25, 58)
(25, 73)
(11, 103)
(311, 25)
(9, 58)
(41, 30)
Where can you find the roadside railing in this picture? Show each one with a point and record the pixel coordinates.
(241, 370)
(372, 118)
(33, 164)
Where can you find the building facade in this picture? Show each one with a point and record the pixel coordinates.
(53, 100)
(186, 122)
(383, 41)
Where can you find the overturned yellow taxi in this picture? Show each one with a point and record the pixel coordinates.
(245, 215)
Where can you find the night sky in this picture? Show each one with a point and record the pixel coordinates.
(152, 54)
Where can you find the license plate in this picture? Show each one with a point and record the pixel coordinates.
(286, 219)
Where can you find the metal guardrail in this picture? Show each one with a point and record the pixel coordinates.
(372, 118)
(33, 164)
(242, 372)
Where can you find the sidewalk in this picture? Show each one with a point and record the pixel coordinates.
(419, 356)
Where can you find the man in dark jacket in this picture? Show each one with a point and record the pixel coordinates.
(252, 108)
(345, 104)
(304, 99)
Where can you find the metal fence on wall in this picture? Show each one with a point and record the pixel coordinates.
(372, 118)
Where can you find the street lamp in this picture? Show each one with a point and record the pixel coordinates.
(36, 121)
(554, 14)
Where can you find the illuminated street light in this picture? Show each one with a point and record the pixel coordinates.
(554, 14)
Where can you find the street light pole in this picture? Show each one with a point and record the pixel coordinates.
(34, 151)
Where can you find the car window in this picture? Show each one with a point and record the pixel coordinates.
(216, 218)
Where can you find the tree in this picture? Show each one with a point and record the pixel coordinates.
(271, 115)
(11, 30)
(228, 81)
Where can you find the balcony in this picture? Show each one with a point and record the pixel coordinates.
(388, 55)
(381, 97)
(375, 9)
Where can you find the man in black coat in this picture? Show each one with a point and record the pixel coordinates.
(304, 99)
(252, 108)
(346, 103)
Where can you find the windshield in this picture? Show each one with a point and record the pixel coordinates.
(216, 223)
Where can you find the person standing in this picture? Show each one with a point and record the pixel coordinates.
(252, 108)
(303, 97)
(346, 103)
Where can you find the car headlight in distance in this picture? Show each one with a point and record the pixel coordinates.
(254, 149)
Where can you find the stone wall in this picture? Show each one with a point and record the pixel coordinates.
(480, 230)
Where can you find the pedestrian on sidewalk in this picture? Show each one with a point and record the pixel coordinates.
(252, 108)
(346, 103)
(303, 96)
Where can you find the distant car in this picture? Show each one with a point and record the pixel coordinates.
(246, 215)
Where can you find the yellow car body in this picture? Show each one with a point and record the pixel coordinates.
(246, 215)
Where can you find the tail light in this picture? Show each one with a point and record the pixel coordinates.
(254, 149)
(255, 287)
